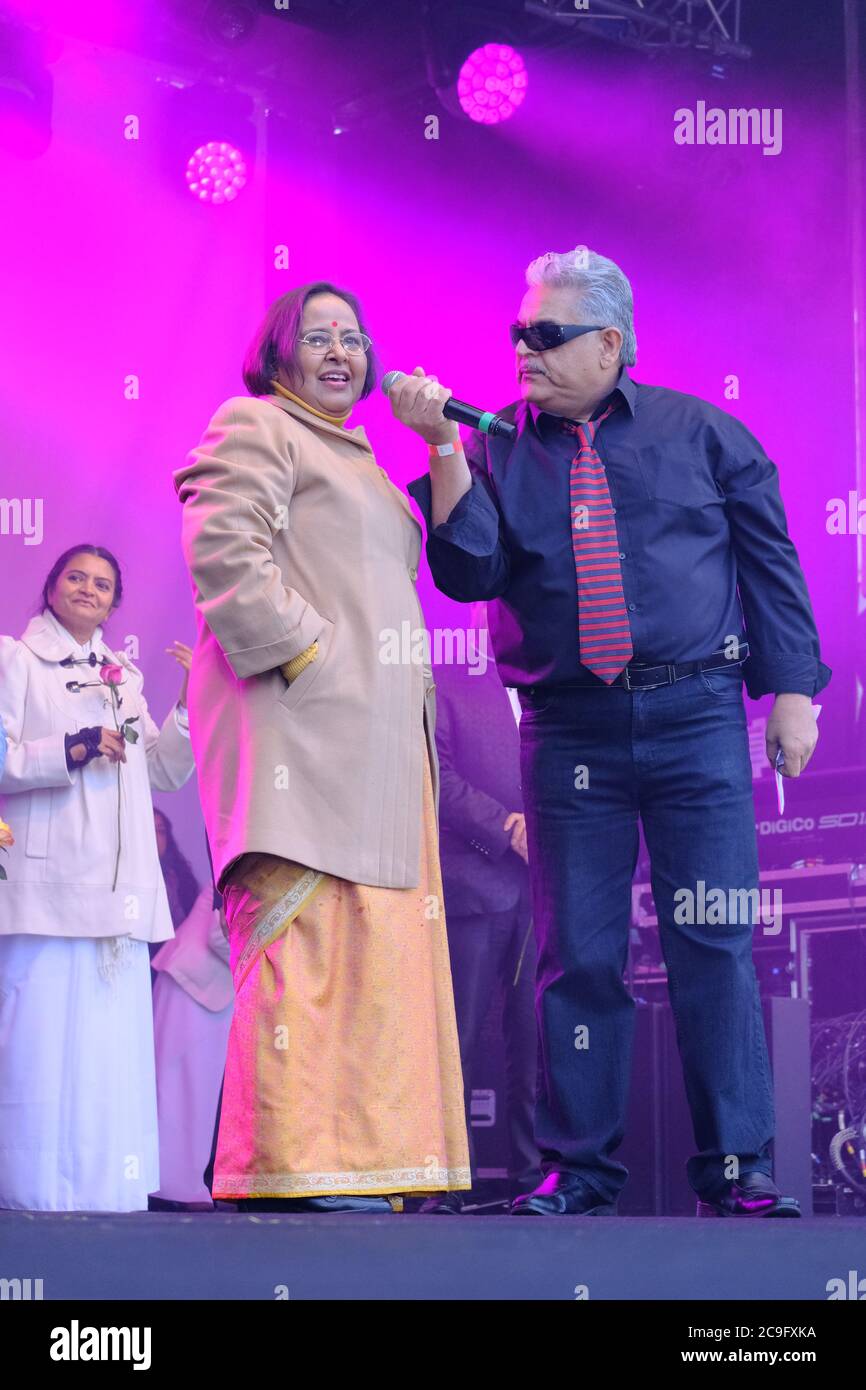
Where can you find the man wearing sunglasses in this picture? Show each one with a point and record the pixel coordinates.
(633, 549)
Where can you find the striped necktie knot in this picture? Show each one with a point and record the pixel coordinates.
(586, 430)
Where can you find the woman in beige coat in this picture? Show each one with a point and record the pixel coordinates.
(318, 778)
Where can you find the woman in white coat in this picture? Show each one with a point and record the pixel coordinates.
(82, 898)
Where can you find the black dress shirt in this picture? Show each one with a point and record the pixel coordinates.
(704, 547)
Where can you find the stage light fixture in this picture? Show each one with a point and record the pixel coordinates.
(206, 139)
(492, 83)
(216, 172)
(231, 22)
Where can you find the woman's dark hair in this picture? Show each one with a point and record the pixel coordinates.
(275, 342)
(175, 862)
(60, 565)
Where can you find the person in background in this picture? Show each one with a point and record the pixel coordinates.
(83, 897)
(181, 884)
(192, 1011)
(318, 777)
(482, 846)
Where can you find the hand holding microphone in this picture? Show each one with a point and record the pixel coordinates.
(419, 401)
(431, 411)
(425, 406)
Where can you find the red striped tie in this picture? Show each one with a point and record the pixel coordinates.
(605, 637)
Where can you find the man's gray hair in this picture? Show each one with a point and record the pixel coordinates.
(599, 284)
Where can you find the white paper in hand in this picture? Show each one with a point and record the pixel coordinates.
(780, 762)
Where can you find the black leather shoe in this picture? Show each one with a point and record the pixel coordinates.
(443, 1204)
(562, 1194)
(753, 1194)
(347, 1203)
(339, 1203)
(168, 1204)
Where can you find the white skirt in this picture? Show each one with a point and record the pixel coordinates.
(78, 1120)
(190, 1058)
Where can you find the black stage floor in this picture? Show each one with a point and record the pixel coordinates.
(223, 1255)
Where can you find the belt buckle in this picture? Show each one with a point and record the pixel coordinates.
(669, 667)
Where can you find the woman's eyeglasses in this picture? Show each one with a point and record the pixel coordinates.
(539, 337)
(319, 342)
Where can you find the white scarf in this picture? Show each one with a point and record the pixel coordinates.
(115, 953)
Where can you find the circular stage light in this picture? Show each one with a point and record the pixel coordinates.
(216, 172)
(492, 83)
(231, 22)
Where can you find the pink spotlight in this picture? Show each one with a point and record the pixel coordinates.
(492, 83)
(216, 172)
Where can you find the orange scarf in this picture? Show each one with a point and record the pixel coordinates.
(332, 419)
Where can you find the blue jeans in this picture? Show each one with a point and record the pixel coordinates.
(593, 760)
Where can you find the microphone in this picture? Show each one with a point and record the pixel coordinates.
(483, 420)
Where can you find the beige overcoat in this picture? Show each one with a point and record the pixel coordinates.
(292, 533)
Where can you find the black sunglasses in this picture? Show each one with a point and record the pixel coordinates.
(538, 337)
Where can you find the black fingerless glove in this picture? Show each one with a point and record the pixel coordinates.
(90, 738)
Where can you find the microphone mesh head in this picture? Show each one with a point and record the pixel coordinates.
(390, 379)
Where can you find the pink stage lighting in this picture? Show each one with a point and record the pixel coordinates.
(492, 83)
(216, 172)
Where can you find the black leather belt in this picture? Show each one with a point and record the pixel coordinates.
(642, 675)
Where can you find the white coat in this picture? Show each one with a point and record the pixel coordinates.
(65, 823)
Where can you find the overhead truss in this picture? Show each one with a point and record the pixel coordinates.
(714, 25)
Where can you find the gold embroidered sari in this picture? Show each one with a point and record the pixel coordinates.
(343, 1065)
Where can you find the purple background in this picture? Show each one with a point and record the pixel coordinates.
(740, 264)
